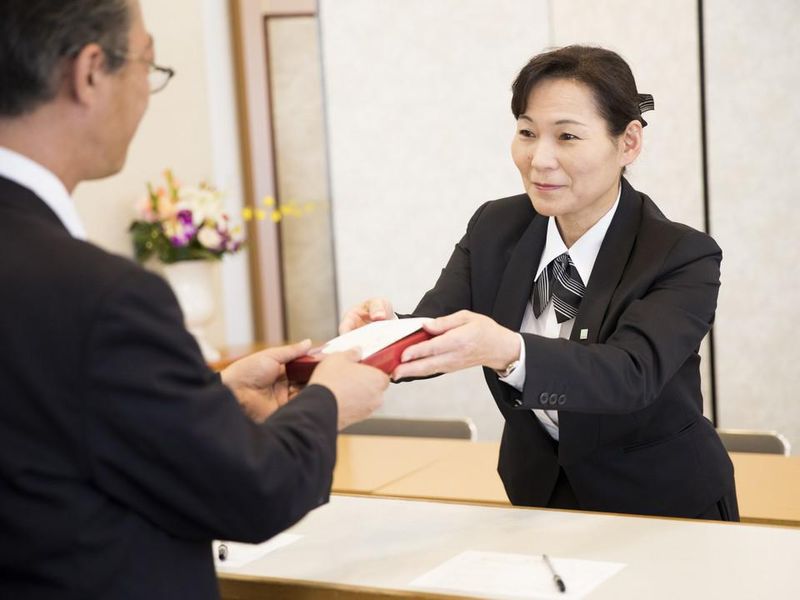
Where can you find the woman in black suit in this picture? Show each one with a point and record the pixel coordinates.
(586, 307)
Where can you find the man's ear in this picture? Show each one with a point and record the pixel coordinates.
(87, 74)
(631, 142)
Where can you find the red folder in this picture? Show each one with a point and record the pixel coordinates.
(385, 359)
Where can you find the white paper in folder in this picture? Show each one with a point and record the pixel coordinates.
(505, 575)
(375, 336)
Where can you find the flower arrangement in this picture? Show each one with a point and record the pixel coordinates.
(179, 222)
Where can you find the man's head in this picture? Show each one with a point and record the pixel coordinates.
(39, 38)
(74, 73)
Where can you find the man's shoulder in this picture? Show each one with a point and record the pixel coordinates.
(94, 266)
(54, 266)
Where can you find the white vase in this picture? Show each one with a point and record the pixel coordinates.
(192, 282)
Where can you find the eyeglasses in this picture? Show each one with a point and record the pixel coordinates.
(157, 76)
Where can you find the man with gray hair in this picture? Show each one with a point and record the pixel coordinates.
(121, 454)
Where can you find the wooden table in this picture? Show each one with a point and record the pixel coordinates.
(366, 547)
(468, 474)
(768, 486)
(367, 463)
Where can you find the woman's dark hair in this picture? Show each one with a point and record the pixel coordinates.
(605, 73)
(36, 36)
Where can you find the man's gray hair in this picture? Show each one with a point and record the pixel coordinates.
(38, 37)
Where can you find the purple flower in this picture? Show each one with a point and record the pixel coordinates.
(180, 241)
(185, 217)
(186, 225)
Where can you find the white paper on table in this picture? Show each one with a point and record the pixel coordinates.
(503, 575)
(241, 554)
(375, 336)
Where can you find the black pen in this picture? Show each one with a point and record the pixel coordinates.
(222, 551)
(556, 577)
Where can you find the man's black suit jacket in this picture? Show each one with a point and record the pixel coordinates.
(121, 455)
(632, 435)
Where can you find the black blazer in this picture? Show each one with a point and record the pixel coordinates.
(121, 454)
(632, 435)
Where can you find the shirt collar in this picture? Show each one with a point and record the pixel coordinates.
(584, 251)
(45, 185)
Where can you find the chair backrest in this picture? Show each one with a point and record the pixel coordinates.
(407, 427)
(765, 442)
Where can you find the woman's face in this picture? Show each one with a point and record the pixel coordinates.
(570, 164)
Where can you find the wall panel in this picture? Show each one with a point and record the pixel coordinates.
(301, 177)
(753, 53)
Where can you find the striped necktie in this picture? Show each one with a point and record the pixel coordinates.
(561, 282)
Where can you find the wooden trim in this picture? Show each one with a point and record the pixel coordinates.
(250, 587)
(247, 183)
(280, 8)
(250, 55)
(290, 15)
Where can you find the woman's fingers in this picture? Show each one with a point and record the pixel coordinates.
(439, 345)
(369, 311)
(440, 363)
(379, 309)
(448, 322)
(463, 340)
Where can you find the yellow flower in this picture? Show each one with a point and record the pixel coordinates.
(290, 208)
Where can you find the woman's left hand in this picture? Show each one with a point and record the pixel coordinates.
(464, 339)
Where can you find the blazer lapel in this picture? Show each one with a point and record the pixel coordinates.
(580, 431)
(517, 281)
(608, 267)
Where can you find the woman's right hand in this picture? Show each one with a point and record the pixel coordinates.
(369, 311)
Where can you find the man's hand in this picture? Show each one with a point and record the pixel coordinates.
(358, 388)
(464, 339)
(259, 380)
(369, 311)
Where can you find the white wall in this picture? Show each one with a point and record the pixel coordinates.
(191, 128)
(753, 114)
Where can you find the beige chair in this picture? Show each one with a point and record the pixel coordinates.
(744, 440)
(407, 427)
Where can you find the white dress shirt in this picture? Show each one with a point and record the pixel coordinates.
(583, 254)
(45, 185)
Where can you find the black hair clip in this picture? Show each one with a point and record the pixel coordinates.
(646, 103)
